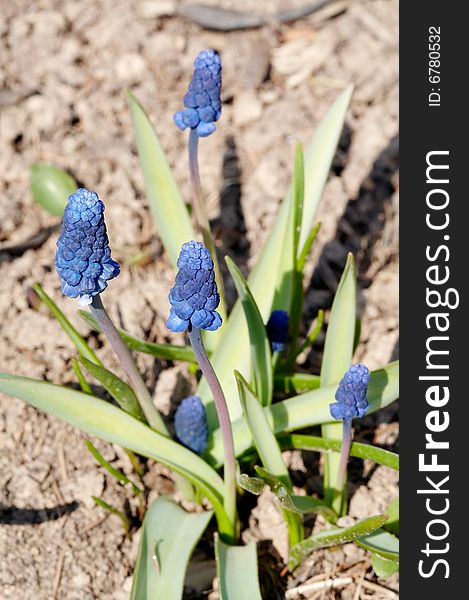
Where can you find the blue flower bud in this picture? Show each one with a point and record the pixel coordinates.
(277, 330)
(202, 101)
(194, 296)
(83, 258)
(191, 424)
(350, 397)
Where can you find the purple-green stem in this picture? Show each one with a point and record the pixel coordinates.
(200, 214)
(229, 468)
(128, 364)
(344, 456)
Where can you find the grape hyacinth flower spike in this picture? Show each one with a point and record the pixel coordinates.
(351, 401)
(194, 296)
(277, 330)
(202, 100)
(190, 423)
(84, 265)
(203, 108)
(193, 300)
(83, 259)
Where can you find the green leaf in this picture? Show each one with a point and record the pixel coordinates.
(79, 343)
(234, 340)
(381, 542)
(169, 211)
(262, 434)
(336, 360)
(295, 383)
(237, 571)
(261, 357)
(51, 187)
(169, 536)
(306, 410)
(318, 159)
(296, 310)
(122, 393)
(383, 567)
(313, 333)
(290, 441)
(163, 351)
(85, 387)
(307, 504)
(334, 537)
(254, 485)
(102, 419)
(114, 511)
(116, 473)
(286, 285)
(290, 502)
(393, 511)
(268, 450)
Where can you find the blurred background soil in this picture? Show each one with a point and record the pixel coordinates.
(63, 69)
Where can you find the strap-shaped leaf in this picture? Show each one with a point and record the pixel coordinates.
(295, 383)
(169, 535)
(298, 505)
(116, 473)
(164, 351)
(305, 410)
(261, 357)
(287, 284)
(232, 351)
(383, 567)
(102, 419)
(336, 360)
(334, 537)
(169, 211)
(269, 452)
(381, 542)
(237, 571)
(122, 393)
(79, 343)
(289, 441)
(51, 187)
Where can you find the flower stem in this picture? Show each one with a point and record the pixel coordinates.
(200, 214)
(344, 456)
(123, 354)
(229, 469)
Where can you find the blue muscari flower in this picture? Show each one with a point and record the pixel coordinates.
(202, 101)
(350, 397)
(194, 296)
(277, 330)
(83, 258)
(191, 424)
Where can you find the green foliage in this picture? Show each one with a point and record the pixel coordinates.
(337, 358)
(122, 393)
(51, 187)
(334, 537)
(268, 450)
(261, 358)
(237, 571)
(163, 351)
(169, 535)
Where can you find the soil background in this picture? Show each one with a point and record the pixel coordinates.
(63, 69)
